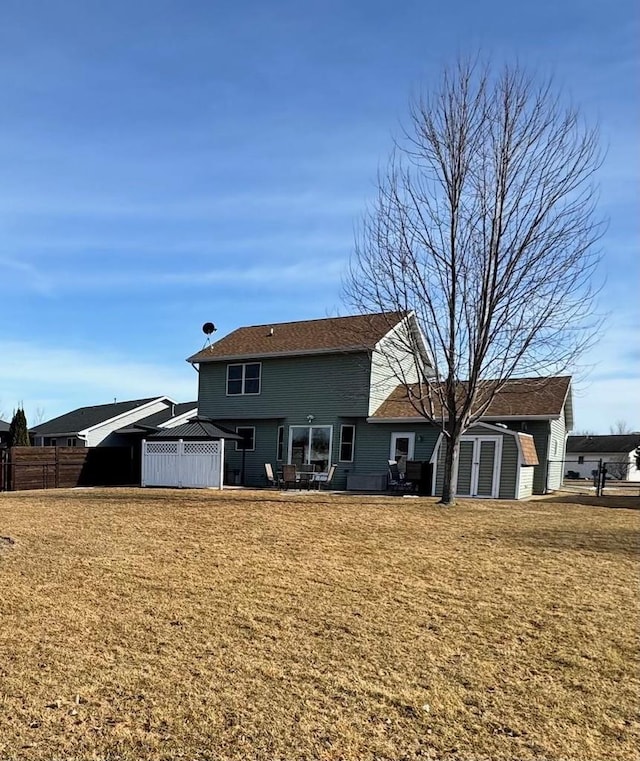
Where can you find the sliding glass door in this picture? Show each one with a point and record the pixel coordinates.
(310, 445)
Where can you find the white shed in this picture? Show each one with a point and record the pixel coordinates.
(187, 456)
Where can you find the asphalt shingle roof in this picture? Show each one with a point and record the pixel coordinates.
(613, 443)
(86, 417)
(196, 429)
(520, 397)
(305, 337)
(158, 418)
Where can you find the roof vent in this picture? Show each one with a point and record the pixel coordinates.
(270, 333)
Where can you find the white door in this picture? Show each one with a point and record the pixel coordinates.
(479, 466)
(402, 449)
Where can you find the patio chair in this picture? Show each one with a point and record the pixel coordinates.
(274, 481)
(289, 476)
(324, 479)
(396, 479)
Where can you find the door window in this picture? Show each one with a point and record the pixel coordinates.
(402, 449)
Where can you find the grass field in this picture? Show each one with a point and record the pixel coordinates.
(258, 625)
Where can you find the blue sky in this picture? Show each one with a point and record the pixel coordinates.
(167, 163)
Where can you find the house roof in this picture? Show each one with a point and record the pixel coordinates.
(87, 417)
(520, 398)
(4, 426)
(159, 418)
(196, 428)
(331, 334)
(613, 443)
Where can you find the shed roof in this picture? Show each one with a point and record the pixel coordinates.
(351, 333)
(613, 443)
(87, 417)
(196, 429)
(528, 448)
(519, 398)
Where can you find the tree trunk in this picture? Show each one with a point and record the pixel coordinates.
(450, 475)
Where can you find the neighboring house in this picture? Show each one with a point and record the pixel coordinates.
(326, 391)
(617, 452)
(105, 424)
(4, 433)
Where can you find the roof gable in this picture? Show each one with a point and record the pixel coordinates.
(88, 417)
(332, 334)
(4, 426)
(519, 398)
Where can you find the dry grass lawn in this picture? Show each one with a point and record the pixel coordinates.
(258, 625)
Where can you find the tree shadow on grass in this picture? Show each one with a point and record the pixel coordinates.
(614, 501)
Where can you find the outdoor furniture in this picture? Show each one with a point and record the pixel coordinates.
(397, 481)
(272, 480)
(289, 476)
(324, 479)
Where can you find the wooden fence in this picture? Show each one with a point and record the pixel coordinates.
(59, 467)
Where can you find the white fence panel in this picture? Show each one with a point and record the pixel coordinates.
(182, 463)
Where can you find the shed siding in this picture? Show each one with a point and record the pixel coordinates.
(526, 481)
(508, 466)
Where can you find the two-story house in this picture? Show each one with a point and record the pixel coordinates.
(321, 392)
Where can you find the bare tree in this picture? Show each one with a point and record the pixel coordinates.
(484, 227)
(38, 415)
(620, 428)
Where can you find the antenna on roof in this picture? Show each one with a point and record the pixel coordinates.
(208, 328)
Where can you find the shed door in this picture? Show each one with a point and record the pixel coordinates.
(479, 466)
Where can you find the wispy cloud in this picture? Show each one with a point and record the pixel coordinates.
(64, 378)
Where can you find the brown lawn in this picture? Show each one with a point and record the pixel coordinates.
(258, 625)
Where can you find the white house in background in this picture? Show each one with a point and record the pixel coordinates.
(616, 451)
(108, 424)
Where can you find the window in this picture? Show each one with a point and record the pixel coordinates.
(310, 445)
(243, 379)
(53, 442)
(581, 460)
(71, 442)
(347, 438)
(248, 442)
(280, 448)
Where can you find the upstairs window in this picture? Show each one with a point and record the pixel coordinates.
(243, 378)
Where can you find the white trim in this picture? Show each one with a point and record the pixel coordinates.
(243, 365)
(476, 441)
(353, 442)
(309, 427)
(281, 458)
(173, 422)
(411, 436)
(422, 419)
(404, 322)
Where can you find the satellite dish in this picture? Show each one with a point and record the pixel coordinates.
(208, 328)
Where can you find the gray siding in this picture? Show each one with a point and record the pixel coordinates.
(326, 386)
(373, 444)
